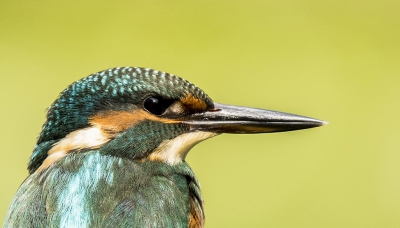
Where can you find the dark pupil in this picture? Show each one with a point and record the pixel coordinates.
(157, 105)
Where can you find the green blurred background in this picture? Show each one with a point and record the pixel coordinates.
(333, 60)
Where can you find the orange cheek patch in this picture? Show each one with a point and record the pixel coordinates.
(193, 103)
(118, 121)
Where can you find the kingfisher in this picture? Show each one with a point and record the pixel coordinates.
(112, 151)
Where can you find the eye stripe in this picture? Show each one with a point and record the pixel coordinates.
(117, 121)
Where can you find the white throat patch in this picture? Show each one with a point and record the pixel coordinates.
(175, 150)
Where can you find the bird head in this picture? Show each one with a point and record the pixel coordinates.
(144, 114)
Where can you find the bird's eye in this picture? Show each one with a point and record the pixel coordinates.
(157, 105)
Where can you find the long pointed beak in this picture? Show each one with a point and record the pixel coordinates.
(243, 120)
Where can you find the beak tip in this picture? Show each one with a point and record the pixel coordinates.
(323, 123)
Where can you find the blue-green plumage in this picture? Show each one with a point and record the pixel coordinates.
(95, 190)
(112, 152)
